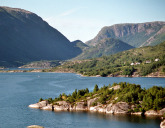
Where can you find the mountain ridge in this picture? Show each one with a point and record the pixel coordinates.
(134, 34)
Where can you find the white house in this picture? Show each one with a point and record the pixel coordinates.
(137, 63)
(156, 59)
(148, 61)
(132, 64)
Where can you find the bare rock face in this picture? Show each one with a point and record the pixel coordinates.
(62, 106)
(151, 112)
(109, 109)
(162, 111)
(118, 108)
(155, 113)
(91, 101)
(81, 106)
(48, 107)
(39, 105)
(99, 108)
(136, 113)
(162, 124)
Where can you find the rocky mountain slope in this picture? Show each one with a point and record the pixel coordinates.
(26, 37)
(137, 35)
(106, 46)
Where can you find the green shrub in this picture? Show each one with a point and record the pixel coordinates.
(96, 88)
(94, 104)
(40, 100)
(136, 110)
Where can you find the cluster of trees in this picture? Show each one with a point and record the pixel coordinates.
(149, 68)
(152, 98)
(143, 99)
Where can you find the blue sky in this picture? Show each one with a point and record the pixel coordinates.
(83, 19)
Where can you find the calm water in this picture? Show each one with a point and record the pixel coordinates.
(18, 90)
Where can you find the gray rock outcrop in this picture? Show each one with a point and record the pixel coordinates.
(118, 108)
(162, 124)
(34, 126)
(39, 104)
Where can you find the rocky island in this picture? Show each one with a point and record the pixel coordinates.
(121, 98)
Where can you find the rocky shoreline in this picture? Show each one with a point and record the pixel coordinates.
(118, 108)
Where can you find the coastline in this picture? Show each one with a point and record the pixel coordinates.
(39, 70)
(117, 108)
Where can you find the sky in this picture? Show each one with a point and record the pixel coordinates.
(83, 19)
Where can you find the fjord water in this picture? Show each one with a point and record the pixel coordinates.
(18, 90)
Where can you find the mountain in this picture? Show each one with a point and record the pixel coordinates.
(26, 37)
(106, 46)
(80, 44)
(137, 35)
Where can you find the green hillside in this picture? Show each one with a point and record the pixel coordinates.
(135, 62)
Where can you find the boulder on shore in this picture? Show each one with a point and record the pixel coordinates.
(39, 104)
(34, 126)
(155, 113)
(118, 108)
(151, 112)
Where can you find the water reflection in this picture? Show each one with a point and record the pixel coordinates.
(134, 119)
